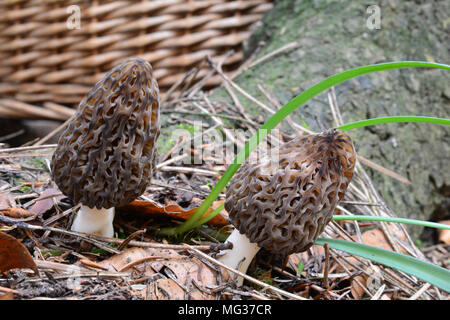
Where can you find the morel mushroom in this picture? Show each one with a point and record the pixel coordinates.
(106, 155)
(284, 206)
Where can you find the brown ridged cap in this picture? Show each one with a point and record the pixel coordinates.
(285, 204)
(106, 155)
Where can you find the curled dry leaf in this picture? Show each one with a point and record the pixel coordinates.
(171, 275)
(173, 210)
(13, 254)
(444, 235)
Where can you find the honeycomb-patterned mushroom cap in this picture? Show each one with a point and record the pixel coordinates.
(106, 155)
(283, 205)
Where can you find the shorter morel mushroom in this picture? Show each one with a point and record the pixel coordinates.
(106, 155)
(284, 206)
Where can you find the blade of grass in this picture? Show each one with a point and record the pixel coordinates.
(384, 120)
(393, 219)
(210, 216)
(423, 270)
(275, 119)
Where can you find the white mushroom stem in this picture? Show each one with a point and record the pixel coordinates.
(94, 221)
(240, 256)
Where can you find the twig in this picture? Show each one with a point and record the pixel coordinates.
(129, 238)
(7, 290)
(83, 236)
(273, 53)
(46, 146)
(388, 172)
(156, 245)
(326, 266)
(176, 85)
(138, 261)
(208, 114)
(260, 283)
(12, 135)
(61, 215)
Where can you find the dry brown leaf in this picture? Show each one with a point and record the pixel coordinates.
(173, 210)
(177, 273)
(375, 238)
(17, 213)
(44, 205)
(356, 290)
(444, 234)
(13, 254)
(7, 296)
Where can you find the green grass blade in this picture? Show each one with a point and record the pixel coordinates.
(423, 270)
(393, 219)
(279, 116)
(394, 119)
(210, 216)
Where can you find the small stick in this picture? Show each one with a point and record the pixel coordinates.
(46, 146)
(23, 155)
(129, 238)
(138, 261)
(388, 172)
(83, 236)
(7, 290)
(327, 265)
(155, 245)
(273, 53)
(61, 215)
(260, 283)
(12, 135)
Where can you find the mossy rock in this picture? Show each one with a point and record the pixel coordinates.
(333, 36)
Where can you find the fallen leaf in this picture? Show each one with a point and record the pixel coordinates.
(176, 276)
(16, 213)
(356, 290)
(375, 238)
(444, 234)
(44, 205)
(173, 210)
(13, 254)
(7, 296)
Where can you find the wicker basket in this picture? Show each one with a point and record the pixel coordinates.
(47, 64)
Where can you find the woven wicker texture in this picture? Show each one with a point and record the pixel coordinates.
(45, 66)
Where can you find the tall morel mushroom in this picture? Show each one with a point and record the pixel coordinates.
(284, 205)
(106, 155)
